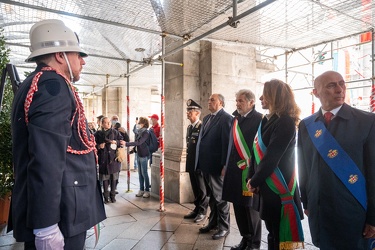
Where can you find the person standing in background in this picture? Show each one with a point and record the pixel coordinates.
(99, 121)
(122, 131)
(143, 155)
(134, 149)
(92, 127)
(193, 111)
(156, 129)
(211, 152)
(272, 171)
(107, 141)
(336, 163)
(245, 203)
(155, 125)
(114, 120)
(56, 196)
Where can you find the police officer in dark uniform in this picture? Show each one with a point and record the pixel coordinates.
(193, 112)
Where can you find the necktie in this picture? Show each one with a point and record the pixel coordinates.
(327, 118)
(190, 130)
(208, 121)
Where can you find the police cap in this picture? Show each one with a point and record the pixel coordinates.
(191, 104)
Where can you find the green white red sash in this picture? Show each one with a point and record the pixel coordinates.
(291, 233)
(244, 152)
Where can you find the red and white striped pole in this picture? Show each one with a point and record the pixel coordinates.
(312, 103)
(161, 140)
(372, 99)
(128, 123)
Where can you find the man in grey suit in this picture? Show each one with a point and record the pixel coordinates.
(336, 164)
(212, 149)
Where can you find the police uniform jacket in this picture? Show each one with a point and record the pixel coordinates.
(51, 185)
(192, 135)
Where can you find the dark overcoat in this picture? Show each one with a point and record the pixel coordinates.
(279, 136)
(232, 187)
(212, 144)
(336, 218)
(107, 155)
(51, 185)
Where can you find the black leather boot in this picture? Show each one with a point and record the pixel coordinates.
(106, 197)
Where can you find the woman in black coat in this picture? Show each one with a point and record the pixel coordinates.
(107, 141)
(278, 133)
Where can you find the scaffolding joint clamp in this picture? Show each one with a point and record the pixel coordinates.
(231, 23)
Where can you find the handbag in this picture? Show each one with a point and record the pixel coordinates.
(120, 154)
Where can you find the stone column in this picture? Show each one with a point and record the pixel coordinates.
(208, 67)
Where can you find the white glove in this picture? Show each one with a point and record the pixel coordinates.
(49, 238)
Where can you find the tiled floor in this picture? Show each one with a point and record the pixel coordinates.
(137, 223)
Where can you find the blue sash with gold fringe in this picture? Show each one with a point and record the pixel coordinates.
(337, 159)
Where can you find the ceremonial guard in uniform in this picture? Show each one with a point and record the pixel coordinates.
(193, 112)
(56, 196)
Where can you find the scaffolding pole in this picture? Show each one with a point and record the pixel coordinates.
(128, 121)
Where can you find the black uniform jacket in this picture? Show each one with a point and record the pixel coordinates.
(51, 185)
(192, 135)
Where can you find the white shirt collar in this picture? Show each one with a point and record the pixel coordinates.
(333, 111)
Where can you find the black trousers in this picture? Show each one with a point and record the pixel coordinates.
(249, 224)
(273, 238)
(200, 191)
(76, 242)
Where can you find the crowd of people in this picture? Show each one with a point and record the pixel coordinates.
(249, 160)
(245, 159)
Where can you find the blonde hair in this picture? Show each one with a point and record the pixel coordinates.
(280, 98)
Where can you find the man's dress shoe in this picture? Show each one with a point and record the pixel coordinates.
(199, 218)
(190, 215)
(220, 234)
(241, 246)
(207, 228)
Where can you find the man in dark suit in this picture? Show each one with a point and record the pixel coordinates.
(336, 201)
(211, 156)
(56, 196)
(193, 111)
(245, 203)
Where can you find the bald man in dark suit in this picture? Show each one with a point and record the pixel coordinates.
(340, 217)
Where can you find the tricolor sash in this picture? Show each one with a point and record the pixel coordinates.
(291, 233)
(337, 159)
(244, 152)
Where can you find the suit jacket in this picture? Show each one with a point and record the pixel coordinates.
(212, 144)
(324, 195)
(192, 135)
(279, 136)
(51, 185)
(232, 187)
